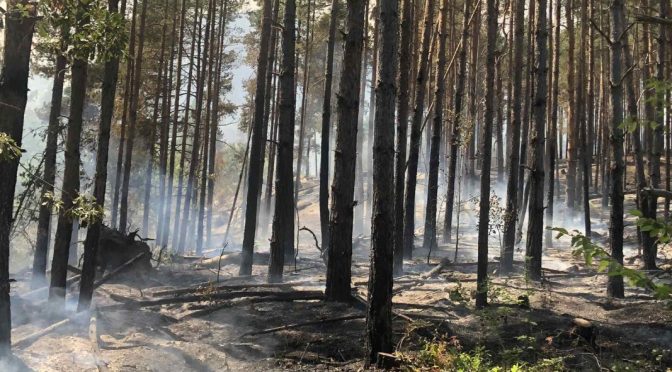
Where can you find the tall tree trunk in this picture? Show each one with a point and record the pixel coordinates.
(132, 119)
(572, 127)
(535, 227)
(256, 161)
(585, 153)
(457, 125)
(326, 127)
(358, 223)
(513, 165)
(552, 142)
(49, 177)
(615, 286)
(379, 309)
(403, 108)
(416, 132)
(282, 240)
(13, 96)
(108, 92)
(368, 196)
(431, 208)
(304, 99)
(343, 186)
(486, 153)
(190, 195)
(70, 187)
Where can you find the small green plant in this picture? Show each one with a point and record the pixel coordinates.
(594, 254)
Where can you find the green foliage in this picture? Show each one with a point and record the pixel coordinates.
(594, 254)
(9, 150)
(656, 228)
(84, 208)
(85, 29)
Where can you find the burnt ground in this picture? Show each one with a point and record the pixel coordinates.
(214, 334)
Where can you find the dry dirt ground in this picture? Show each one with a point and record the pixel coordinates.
(216, 333)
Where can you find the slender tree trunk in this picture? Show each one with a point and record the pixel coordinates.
(431, 208)
(416, 132)
(513, 165)
(403, 108)
(358, 223)
(256, 161)
(582, 125)
(368, 196)
(486, 153)
(615, 286)
(535, 226)
(108, 92)
(70, 188)
(49, 177)
(572, 131)
(132, 119)
(552, 142)
(326, 127)
(13, 96)
(304, 100)
(282, 240)
(343, 186)
(379, 309)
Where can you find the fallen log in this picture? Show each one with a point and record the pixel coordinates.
(118, 270)
(305, 324)
(295, 295)
(225, 287)
(31, 338)
(362, 301)
(437, 269)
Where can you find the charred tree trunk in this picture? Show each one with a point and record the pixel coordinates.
(379, 309)
(13, 96)
(615, 286)
(535, 227)
(282, 240)
(513, 165)
(486, 153)
(343, 186)
(256, 161)
(49, 177)
(416, 132)
(403, 108)
(108, 91)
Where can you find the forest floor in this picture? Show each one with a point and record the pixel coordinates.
(215, 332)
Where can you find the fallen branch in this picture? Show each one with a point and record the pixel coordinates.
(361, 300)
(437, 269)
(116, 271)
(317, 244)
(28, 340)
(296, 295)
(224, 287)
(95, 341)
(305, 324)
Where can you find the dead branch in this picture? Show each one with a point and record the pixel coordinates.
(305, 324)
(95, 341)
(28, 340)
(437, 269)
(225, 287)
(116, 271)
(291, 296)
(317, 244)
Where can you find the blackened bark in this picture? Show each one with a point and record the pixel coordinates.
(486, 153)
(343, 186)
(254, 172)
(282, 239)
(379, 309)
(455, 140)
(13, 97)
(49, 177)
(108, 92)
(403, 108)
(416, 132)
(535, 227)
(513, 165)
(615, 286)
(431, 207)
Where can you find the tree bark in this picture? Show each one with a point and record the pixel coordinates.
(551, 144)
(254, 170)
(108, 92)
(13, 96)
(416, 132)
(326, 127)
(535, 227)
(343, 186)
(282, 240)
(379, 309)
